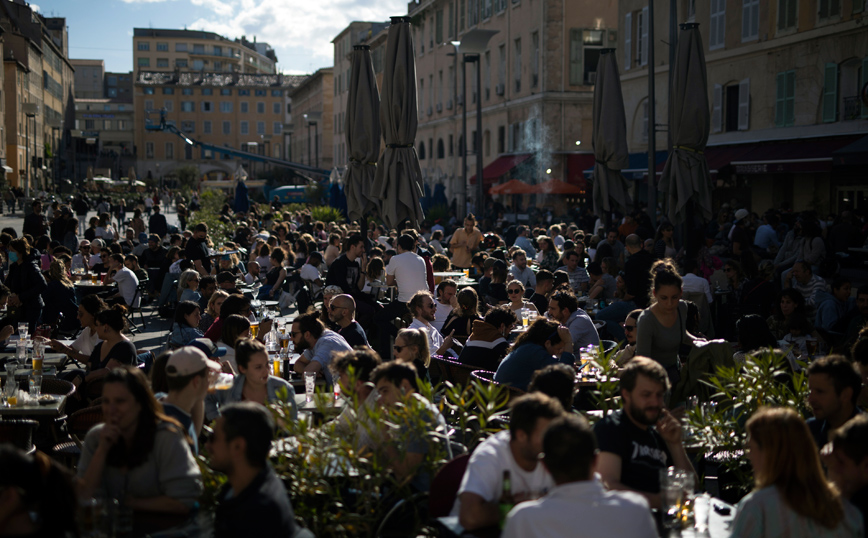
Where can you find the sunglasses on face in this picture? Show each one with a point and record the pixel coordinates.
(398, 348)
(629, 328)
(432, 305)
(513, 291)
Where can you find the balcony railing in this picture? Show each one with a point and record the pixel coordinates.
(852, 109)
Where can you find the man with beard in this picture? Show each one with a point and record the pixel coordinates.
(197, 249)
(643, 437)
(316, 345)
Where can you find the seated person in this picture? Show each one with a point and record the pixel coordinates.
(342, 312)
(544, 343)
(253, 275)
(254, 501)
(310, 272)
(254, 382)
(515, 451)
(126, 281)
(185, 328)
(316, 345)
(131, 262)
(459, 322)
(643, 437)
(601, 284)
(352, 369)
(834, 384)
(564, 308)
(557, 381)
(488, 343)
(138, 453)
(188, 286)
(398, 392)
(578, 500)
(623, 356)
(411, 347)
(226, 282)
(833, 309)
(423, 306)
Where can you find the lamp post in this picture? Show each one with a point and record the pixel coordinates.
(73, 134)
(252, 148)
(31, 110)
(471, 47)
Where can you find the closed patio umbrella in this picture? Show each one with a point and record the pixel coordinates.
(398, 181)
(363, 135)
(610, 139)
(685, 176)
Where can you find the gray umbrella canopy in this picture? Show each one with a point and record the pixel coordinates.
(685, 176)
(610, 138)
(363, 135)
(398, 181)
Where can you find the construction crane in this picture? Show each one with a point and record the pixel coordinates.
(302, 169)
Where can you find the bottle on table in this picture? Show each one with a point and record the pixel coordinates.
(506, 501)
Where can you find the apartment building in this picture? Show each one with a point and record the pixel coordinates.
(161, 50)
(89, 78)
(536, 88)
(240, 111)
(784, 83)
(313, 139)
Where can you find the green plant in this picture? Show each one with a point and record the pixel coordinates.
(718, 427)
(326, 214)
(188, 175)
(607, 394)
(210, 203)
(438, 212)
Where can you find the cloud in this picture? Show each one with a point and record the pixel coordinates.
(299, 30)
(143, 1)
(35, 8)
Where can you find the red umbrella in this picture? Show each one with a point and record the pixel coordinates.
(556, 186)
(513, 186)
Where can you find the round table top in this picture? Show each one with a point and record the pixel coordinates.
(446, 274)
(215, 253)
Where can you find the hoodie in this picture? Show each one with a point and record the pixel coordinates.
(830, 311)
(485, 347)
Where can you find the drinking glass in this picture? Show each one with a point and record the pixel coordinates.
(220, 381)
(21, 352)
(309, 383)
(35, 384)
(672, 497)
(38, 354)
(22, 331)
(254, 329)
(525, 317)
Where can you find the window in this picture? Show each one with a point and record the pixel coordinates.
(169, 105)
(225, 91)
(642, 37)
(461, 15)
(261, 93)
(750, 20)
(858, 6)
(243, 92)
(787, 14)
(227, 127)
(451, 146)
(260, 108)
(162, 47)
(149, 150)
(144, 46)
(450, 24)
(207, 91)
(830, 92)
(188, 106)
(717, 25)
(421, 150)
(181, 62)
(218, 51)
(170, 150)
(275, 107)
(501, 67)
(472, 12)
(206, 127)
(226, 107)
(90, 124)
(438, 32)
(188, 151)
(107, 125)
(277, 128)
(785, 99)
(517, 68)
(486, 9)
(628, 40)
(163, 62)
(421, 95)
(187, 91)
(149, 104)
(829, 8)
(575, 57)
(534, 60)
(644, 133)
(198, 65)
(277, 93)
(244, 107)
(168, 91)
(260, 127)
(218, 66)
(501, 142)
(144, 62)
(207, 106)
(441, 149)
(245, 128)
(188, 126)
(198, 49)
(180, 47)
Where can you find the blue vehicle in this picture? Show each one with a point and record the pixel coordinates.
(289, 194)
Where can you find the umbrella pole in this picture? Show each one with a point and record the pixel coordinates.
(652, 118)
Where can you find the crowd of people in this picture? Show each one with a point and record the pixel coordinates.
(387, 312)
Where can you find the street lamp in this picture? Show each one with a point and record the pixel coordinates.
(471, 47)
(31, 110)
(252, 148)
(73, 134)
(55, 126)
(312, 119)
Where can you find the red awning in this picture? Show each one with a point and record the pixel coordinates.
(513, 186)
(577, 163)
(791, 156)
(500, 167)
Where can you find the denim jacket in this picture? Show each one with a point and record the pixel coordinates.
(214, 401)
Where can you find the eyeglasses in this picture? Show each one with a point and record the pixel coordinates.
(513, 291)
(335, 307)
(293, 333)
(629, 328)
(728, 270)
(398, 348)
(432, 305)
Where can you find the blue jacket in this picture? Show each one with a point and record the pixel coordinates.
(830, 310)
(213, 402)
(518, 367)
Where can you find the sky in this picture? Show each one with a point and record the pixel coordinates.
(300, 31)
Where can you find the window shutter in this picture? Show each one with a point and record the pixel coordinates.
(644, 37)
(716, 108)
(862, 85)
(511, 137)
(744, 105)
(790, 98)
(858, 6)
(830, 93)
(575, 57)
(628, 40)
(824, 9)
(780, 92)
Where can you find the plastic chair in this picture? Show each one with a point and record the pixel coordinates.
(136, 307)
(444, 486)
(19, 432)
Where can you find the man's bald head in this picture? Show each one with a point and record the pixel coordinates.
(633, 243)
(345, 301)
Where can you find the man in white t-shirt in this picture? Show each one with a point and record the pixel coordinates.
(515, 450)
(310, 272)
(126, 280)
(422, 305)
(407, 271)
(692, 282)
(446, 291)
(578, 504)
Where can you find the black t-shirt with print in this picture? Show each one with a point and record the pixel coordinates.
(643, 452)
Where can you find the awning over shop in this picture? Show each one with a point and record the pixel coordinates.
(791, 156)
(855, 154)
(500, 167)
(577, 163)
(8, 169)
(638, 165)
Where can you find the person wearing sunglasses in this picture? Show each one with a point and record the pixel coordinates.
(515, 292)
(423, 307)
(342, 312)
(630, 333)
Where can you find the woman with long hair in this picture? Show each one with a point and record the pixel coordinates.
(411, 346)
(185, 328)
(235, 328)
(515, 292)
(459, 322)
(662, 327)
(26, 282)
(138, 454)
(275, 276)
(548, 254)
(664, 244)
(59, 298)
(212, 310)
(105, 230)
(254, 382)
(789, 304)
(333, 249)
(115, 349)
(81, 349)
(791, 495)
(545, 342)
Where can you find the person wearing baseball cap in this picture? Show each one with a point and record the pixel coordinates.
(188, 370)
(213, 351)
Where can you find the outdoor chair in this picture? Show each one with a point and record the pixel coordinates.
(608, 345)
(137, 306)
(455, 372)
(444, 486)
(19, 432)
(488, 377)
(77, 426)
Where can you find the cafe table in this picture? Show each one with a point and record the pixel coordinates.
(31, 408)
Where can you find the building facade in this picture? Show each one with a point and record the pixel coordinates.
(313, 120)
(167, 50)
(784, 80)
(89, 78)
